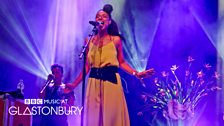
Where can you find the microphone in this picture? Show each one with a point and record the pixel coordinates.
(96, 23)
(50, 77)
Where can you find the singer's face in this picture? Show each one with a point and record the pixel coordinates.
(57, 73)
(102, 16)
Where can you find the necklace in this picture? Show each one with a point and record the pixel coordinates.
(100, 41)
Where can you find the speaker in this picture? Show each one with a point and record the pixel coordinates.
(12, 113)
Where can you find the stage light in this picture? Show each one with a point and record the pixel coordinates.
(21, 51)
(54, 35)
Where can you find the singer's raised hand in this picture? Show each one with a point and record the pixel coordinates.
(146, 73)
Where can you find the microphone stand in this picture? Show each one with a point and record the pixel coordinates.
(83, 55)
(46, 84)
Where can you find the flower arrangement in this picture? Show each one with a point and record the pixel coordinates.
(178, 99)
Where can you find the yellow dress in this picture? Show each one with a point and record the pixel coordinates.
(105, 101)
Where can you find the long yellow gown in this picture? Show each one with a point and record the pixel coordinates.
(105, 101)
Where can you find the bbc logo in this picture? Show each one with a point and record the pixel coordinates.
(33, 101)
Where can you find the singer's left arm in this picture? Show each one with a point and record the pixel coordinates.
(123, 64)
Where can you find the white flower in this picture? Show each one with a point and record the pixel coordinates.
(200, 74)
(190, 59)
(207, 66)
(174, 68)
(164, 74)
(217, 75)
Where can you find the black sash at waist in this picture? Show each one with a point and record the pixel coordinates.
(105, 73)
